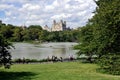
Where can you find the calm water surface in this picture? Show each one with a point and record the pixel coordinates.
(42, 51)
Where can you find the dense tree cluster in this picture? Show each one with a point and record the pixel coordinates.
(101, 36)
(63, 36)
(35, 32)
(5, 56)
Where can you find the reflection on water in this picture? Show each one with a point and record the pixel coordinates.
(42, 51)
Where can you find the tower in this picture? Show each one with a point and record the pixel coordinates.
(64, 22)
(47, 28)
(0, 21)
(61, 21)
(54, 22)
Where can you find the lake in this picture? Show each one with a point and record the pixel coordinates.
(44, 50)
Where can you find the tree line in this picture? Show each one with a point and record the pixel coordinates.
(35, 32)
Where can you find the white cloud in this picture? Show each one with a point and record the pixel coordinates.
(34, 17)
(83, 13)
(8, 13)
(67, 6)
(80, 1)
(42, 12)
(5, 6)
(61, 16)
(30, 7)
(6, 19)
(38, 22)
(55, 3)
(49, 7)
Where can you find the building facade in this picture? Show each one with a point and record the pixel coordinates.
(58, 26)
(47, 28)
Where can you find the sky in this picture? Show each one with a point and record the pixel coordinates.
(42, 12)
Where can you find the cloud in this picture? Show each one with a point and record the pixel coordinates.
(5, 6)
(8, 13)
(55, 3)
(60, 16)
(49, 7)
(31, 22)
(28, 9)
(74, 12)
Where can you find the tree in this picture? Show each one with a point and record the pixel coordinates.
(86, 45)
(107, 34)
(6, 31)
(5, 56)
(106, 24)
(35, 26)
(17, 35)
(105, 41)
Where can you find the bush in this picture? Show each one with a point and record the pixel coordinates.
(110, 63)
(5, 56)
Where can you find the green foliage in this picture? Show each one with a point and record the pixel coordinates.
(105, 24)
(106, 32)
(35, 32)
(110, 63)
(5, 56)
(17, 35)
(101, 36)
(86, 45)
(6, 31)
(35, 27)
(63, 36)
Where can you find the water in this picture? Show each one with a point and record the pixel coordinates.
(42, 51)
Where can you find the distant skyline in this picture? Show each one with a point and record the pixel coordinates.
(42, 12)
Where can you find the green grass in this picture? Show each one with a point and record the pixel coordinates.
(54, 71)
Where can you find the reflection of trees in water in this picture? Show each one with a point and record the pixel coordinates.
(59, 52)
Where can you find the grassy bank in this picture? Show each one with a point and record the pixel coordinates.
(54, 71)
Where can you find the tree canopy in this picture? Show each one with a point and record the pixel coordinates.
(101, 36)
(5, 56)
(35, 32)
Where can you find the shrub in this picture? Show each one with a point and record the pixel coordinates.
(110, 63)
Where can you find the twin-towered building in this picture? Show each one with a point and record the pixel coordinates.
(57, 26)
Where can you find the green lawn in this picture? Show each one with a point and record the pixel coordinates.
(54, 71)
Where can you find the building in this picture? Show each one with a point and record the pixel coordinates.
(57, 26)
(60, 26)
(47, 28)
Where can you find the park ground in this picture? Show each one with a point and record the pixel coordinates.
(55, 71)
